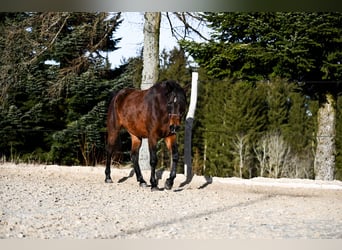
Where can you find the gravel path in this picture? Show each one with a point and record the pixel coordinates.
(56, 202)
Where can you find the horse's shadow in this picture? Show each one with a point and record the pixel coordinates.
(159, 175)
(123, 179)
(208, 181)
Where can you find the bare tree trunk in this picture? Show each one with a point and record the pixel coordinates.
(273, 155)
(240, 150)
(325, 151)
(150, 71)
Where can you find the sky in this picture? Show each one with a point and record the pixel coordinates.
(131, 33)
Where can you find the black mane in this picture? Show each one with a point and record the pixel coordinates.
(172, 86)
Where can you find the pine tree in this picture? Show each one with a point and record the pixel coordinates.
(175, 67)
(278, 105)
(297, 46)
(225, 116)
(216, 133)
(40, 98)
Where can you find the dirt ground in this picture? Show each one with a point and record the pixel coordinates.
(58, 202)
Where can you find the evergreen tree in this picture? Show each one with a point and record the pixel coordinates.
(300, 47)
(175, 66)
(216, 134)
(278, 101)
(301, 126)
(297, 46)
(57, 81)
(226, 116)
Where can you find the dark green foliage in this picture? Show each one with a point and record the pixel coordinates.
(217, 131)
(83, 139)
(265, 51)
(174, 66)
(227, 111)
(55, 112)
(278, 105)
(302, 123)
(82, 142)
(298, 46)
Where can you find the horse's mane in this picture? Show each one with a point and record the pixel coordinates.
(171, 86)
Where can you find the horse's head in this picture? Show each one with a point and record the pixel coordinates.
(176, 104)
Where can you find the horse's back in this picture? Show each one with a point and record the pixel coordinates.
(131, 110)
(130, 99)
(144, 113)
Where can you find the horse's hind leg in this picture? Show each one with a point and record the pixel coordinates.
(111, 143)
(136, 143)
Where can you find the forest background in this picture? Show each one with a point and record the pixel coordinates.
(261, 77)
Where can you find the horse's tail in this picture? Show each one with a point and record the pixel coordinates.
(112, 122)
(111, 113)
(112, 134)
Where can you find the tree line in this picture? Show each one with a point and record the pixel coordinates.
(263, 78)
(55, 83)
(300, 50)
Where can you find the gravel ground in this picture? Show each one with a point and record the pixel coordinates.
(54, 202)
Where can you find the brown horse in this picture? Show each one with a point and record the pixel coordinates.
(154, 113)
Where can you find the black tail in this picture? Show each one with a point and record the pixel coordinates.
(112, 135)
(111, 116)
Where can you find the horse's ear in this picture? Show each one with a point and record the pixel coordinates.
(168, 86)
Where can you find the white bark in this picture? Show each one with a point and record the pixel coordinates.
(240, 150)
(150, 71)
(273, 154)
(325, 151)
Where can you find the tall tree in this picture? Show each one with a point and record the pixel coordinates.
(326, 137)
(301, 47)
(150, 71)
(57, 80)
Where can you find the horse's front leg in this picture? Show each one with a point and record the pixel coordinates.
(172, 146)
(153, 162)
(136, 143)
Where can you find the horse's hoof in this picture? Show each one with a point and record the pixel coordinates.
(143, 184)
(168, 184)
(108, 181)
(153, 189)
